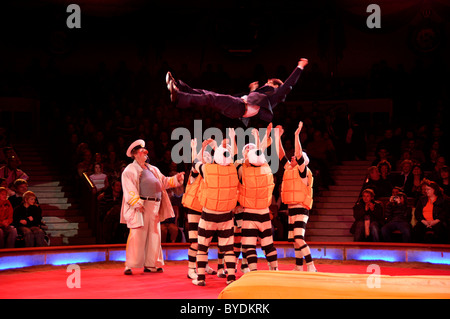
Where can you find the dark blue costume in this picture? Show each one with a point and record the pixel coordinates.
(266, 97)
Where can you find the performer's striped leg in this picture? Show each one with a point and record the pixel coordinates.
(192, 260)
(267, 243)
(205, 234)
(225, 244)
(193, 220)
(298, 218)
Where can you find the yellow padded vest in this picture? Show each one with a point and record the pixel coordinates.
(257, 186)
(191, 194)
(219, 188)
(294, 191)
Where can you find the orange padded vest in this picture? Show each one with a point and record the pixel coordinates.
(257, 186)
(294, 191)
(219, 187)
(191, 194)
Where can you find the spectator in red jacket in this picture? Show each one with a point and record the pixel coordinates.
(8, 233)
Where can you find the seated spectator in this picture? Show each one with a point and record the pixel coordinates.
(382, 155)
(11, 172)
(384, 167)
(8, 233)
(431, 214)
(86, 165)
(435, 174)
(397, 217)
(99, 179)
(27, 219)
(406, 155)
(380, 187)
(109, 205)
(368, 215)
(443, 181)
(170, 226)
(112, 165)
(20, 188)
(9, 191)
(390, 144)
(405, 179)
(417, 155)
(416, 189)
(431, 161)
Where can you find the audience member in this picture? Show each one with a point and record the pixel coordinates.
(20, 187)
(381, 155)
(443, 181)
(9, 191)
(417, 155)
(8, 233)
(380, 187)
(431, 214)
(27, 219)
(418, 175)
(11, 172)
(99, 179)
(109, 204)
(397, 217)
(435, 174)
(384, 167)
(405, 179)
(368, 215)
(390, 144)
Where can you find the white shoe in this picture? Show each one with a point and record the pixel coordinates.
(222, 273)
(245, 270)
(199, 282)
(298, 268)
(210, 271)
(311, 268)
(192, 274)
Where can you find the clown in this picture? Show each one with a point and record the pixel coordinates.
(218, 197)
(296, 192)
(192, 203)
(145, 204)
(255, 196)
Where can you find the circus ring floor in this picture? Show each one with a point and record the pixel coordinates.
(49, 272)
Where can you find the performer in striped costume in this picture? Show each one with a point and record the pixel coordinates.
(255, 195)
(296, 192)
(192, 203)
(218, 197)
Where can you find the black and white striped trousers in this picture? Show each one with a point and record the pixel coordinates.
(222, 224)
(298, 218)
(256, 225)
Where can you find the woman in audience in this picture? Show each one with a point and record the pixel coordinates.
(99, 178)
(431, 214)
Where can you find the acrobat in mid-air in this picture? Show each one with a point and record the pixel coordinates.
(259, 101)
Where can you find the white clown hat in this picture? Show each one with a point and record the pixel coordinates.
(222, 155)
(135, 144)
(256, 157)
(248, 147)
